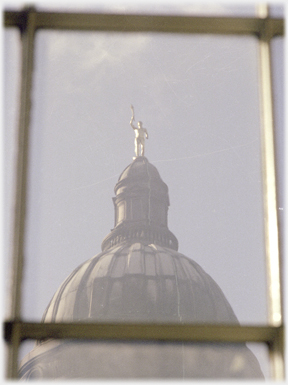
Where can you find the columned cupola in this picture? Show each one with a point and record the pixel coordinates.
(141, 208)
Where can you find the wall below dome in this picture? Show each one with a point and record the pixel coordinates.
(110, 360)
(145, 283)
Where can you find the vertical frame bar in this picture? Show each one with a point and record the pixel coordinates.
(27, 35)
(270, 198)
(276, 353)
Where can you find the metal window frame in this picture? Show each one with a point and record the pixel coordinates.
(265, 28)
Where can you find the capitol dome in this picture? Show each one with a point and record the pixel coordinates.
(139, 277)
(134, 282)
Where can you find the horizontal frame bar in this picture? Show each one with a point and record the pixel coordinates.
(145, 23)
(148, 331)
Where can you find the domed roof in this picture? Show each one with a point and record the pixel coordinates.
(141, 174)
(139, 276)
(134, 282)
(140, 168)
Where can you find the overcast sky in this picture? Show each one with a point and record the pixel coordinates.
(197, 95)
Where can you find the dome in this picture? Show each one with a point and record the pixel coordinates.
(139, 283)
(141, 169)
(139, 277)
(132, 283)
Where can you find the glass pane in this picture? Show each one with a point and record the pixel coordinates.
(162, 7)
(11, 55)
(144, 360)
(198, 98)
(277, 55)
(277, 10)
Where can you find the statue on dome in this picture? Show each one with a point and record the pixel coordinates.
(140, 135)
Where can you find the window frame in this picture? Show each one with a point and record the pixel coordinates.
(28, 21)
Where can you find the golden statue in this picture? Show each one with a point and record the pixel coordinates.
(140, 134)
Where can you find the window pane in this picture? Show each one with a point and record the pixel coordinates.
(277, 10)
(163, 8)
(144, 360)
(11, 110)
(198, 98)
(277, 56)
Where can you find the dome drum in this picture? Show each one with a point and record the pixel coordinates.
(144, 232)
(136, 207)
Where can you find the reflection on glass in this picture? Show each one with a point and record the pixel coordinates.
(146, 360)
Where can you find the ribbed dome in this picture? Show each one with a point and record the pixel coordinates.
(141, 169)
(139, 283)
(139, 276)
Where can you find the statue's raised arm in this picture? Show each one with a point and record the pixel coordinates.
(140, 134)
(132, 119)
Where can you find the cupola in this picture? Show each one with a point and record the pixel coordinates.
(141, 208)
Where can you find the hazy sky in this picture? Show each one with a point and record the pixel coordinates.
(197, 95)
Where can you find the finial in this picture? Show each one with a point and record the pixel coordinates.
(140, 135)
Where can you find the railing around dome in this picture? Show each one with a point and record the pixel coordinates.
(141, 233)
